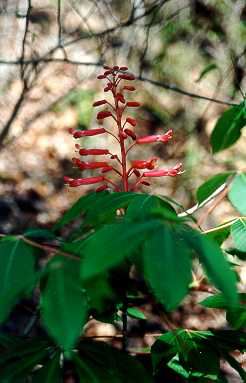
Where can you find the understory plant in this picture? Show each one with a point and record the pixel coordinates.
(117, 250)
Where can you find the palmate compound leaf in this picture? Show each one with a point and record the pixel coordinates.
(228, 128)
(98, 362)
(63, 302)
(17, 271)
(187, 353)
(237, 193)
(167, 266)
(109, 246)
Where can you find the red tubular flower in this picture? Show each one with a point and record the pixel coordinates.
(93, 152)
(165, 172)
(155, 138)
(130, 133)
(131, 121)
(114, 77)
(127, 76)
(133, 104)
(103, 114)
(89, 165)
(99, 102)
(140, 164)
(89, 132)
(86, 181)
(102, 188)
(129, 87)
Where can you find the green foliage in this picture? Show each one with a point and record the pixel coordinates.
(99, 363)
(237, 193)
(195, 355)
(210, 186)
(228, 128)
(209, 68)
(63, 302)
(167, 259)
(238, 231)
(135, 313)
(17, 268)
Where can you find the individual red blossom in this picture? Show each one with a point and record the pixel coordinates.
(129, 87)
(103, 114)
(107, 169)
(93, 152)
(165, 172)
(86, 181)
(133, 104)
(130, 133)
(126, 76)
(155, 138)
(89, 165)
(120, 98)
(140, 164)
(131, 121)
(139, 170)
(99, 102)
(89, 132)
(102, 188)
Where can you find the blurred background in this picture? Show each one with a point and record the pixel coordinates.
(50, 54)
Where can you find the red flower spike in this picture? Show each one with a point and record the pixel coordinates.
(126, 76)
(133, 104)
(101, 188)
(103, 114)
(93, 152)
(89, 132)
(131, 121)
(155, 138)
(99, 102)
(114, 77)
(71, 131)
(165, 172)
(129, 87)
(86, 181)
(130, 133)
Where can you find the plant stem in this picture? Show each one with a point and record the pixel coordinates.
(124, 325)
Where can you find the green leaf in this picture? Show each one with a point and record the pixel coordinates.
(63, 303)
(210, 186)
(40, 234)
(50, 372)
(167, 259)
(237, 193)
(217, 301)
(218, 234)
(77, 210)
(228, 128)
(109, 246)
(135, 313)
(144, 205)
(97, 362)
(206, 70)
(214, 262)
(17, 270)
(238, 232)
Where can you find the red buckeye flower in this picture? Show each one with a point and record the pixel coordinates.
(129, 177)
